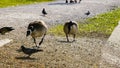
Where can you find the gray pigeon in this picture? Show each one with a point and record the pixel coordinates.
(5, 30)
(88, 13)
(44, 12)
(29, 51)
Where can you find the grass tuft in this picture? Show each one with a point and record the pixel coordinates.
(57, 30)
(102, 24)
(6, 3)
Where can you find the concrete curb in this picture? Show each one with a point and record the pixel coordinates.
(111, 50)
(115, 36)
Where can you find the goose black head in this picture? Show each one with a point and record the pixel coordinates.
(29, 31)
(31, 28)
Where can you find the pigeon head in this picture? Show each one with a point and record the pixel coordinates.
(22, 47)
(12, 28)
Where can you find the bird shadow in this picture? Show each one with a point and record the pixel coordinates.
(59, 4)
(43, 15)
(19, 50)
(34, 47)
(25, 58)
(65, 41)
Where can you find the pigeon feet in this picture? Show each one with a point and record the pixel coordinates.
(36, 47)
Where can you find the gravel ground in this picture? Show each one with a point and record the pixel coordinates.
(84, 53)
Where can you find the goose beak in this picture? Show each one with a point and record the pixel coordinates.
(28, 33)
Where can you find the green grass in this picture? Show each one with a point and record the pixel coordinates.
(99, 26)
(6, 3)
(57, 30)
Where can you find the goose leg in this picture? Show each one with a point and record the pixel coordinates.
(42, 39)
(74, 37)
(67, 37)
(35, 41)
(79, 1)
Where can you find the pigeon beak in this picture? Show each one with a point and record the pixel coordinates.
(12, 29)
(28, 33)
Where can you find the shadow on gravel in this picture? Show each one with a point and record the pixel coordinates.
(19, 50)
(57, 4)
(65, 41)
(25, 58)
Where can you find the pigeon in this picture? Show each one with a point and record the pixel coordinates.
(44, 12)
(29, 51)
(5, 30)
(88, 13)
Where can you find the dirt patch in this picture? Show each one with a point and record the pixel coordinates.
(57, 53)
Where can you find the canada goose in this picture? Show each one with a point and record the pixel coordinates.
(66, 1)
(29, 51)
(5, 30)
(44, 12)
(70, 27)
(88, 13)
(37, 29)
(71, 1)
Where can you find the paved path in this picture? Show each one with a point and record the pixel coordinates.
(58, 12)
